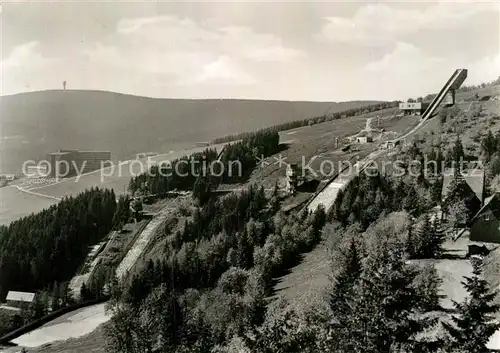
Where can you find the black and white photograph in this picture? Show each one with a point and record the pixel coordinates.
(268, 176)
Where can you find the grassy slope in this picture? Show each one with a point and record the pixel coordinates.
(40, 122)
(306, 283)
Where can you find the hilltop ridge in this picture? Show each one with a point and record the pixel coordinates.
(39, 122)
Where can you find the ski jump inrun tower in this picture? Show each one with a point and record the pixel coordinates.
(446, 95)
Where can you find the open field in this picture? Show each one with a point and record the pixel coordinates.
(307, 283)
(15, 204)
(37, 123)
(316, 143)
(116, 177)
(451, 272)
(91, 342)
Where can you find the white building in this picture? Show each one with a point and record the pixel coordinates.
(19, 299)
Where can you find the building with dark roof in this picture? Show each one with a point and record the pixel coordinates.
(67, 163)
(471, 190)
(485, 225)
(474, 179)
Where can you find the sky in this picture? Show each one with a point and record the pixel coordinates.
(308, 51)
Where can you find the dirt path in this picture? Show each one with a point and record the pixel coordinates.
(35, 193)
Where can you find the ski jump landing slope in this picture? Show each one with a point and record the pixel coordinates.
(141, 243)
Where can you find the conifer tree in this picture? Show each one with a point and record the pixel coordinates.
(436, 190)
(425, 241)
(424, 235)
(122, 213)
(473, 326)
(84, 293)
(411, 247)
(438, 236)
(489, 145)
(458, 153)
(383, 314)
(275, 201)
(457, 192)
(202, 189)
(344, 281)
(421, 181)
(399, 194)
(66, 294)
(427, 283)
(244, 251)
(410, 202)
(56, 298)
(336, 210)
(440, 160)
(39, 306)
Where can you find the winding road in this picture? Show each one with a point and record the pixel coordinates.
(35, 193)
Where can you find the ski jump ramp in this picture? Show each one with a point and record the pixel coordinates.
(447, 91)
(328, 195)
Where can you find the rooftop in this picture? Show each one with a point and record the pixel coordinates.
(59, 153)
(20, 296)
(490, 203)
(474, 178)
(412, 105)
(93, 151)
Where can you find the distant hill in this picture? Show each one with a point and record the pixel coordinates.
(36, 123)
